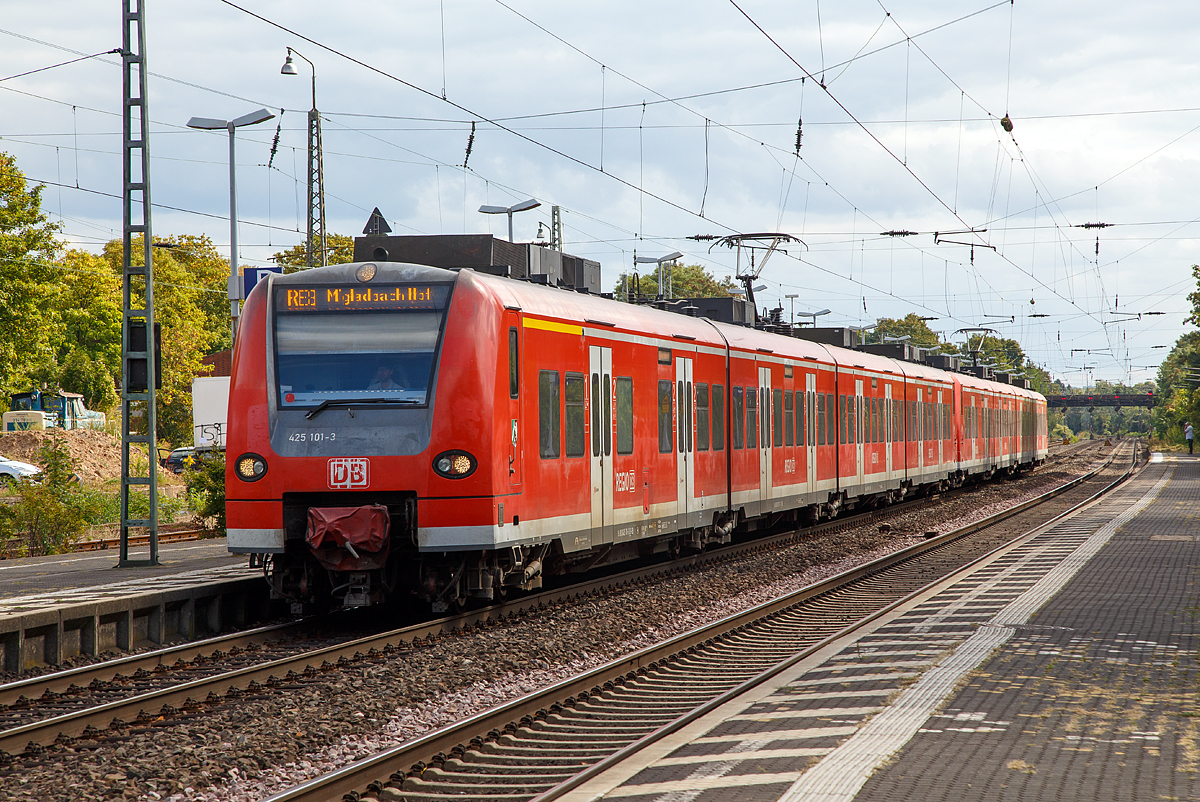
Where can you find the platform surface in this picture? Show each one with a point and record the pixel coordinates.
(1062, 667)
(27, 576)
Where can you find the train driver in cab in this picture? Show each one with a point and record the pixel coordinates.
(383, 380)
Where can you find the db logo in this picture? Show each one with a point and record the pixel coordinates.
(350, 472)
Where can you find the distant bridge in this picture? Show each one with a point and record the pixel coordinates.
(1093, 401)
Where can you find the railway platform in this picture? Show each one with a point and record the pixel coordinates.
(1064, 666)
(56, 573)
(56, 607)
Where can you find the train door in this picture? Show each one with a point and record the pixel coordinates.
(857, 424)
(810, 448)
(685, 465)
(515, 452)
(888, 434)
(600, 415)
(764, 433)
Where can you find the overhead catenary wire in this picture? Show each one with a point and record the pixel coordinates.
(862, 245)
(885, 148)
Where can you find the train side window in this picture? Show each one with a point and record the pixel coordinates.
(820, 419)
(842, 417)
(803, 424)
(680, 419)
(576, 414)
(664, 417)
(718, 417)
(701, 416)
(514, 384)
(751, 417)
(595, 414)
(606, 415)
(873, 421)
(778, 416)
(764, 416)
(739, 421)
(687, 415)
(877, 419)
(549, 422)
(624, 415)
(789, 425)
(830, 420)
(869, 420)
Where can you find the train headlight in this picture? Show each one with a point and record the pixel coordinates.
(454, 464)
(250, 467)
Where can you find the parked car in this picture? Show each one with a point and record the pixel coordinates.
(180, 459)
(12, 471)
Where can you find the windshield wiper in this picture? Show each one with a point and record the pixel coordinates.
(349, 402)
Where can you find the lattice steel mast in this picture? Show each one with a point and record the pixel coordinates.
(317, 248)
(137, 320)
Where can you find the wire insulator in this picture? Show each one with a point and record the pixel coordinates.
(470, 144)
(275, 142)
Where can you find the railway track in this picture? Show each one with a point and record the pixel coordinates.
(186, 678)
(542, 745)
(8, 545)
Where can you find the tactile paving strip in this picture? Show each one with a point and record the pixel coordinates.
(822, 735)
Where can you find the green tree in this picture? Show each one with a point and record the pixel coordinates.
(27, 245)
(687, 281)
(339, 250)
(187, 278)
(911, 325)
(1194, 299)
(88, 349)
(1177, 401)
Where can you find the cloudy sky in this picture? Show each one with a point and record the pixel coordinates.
(651, 123)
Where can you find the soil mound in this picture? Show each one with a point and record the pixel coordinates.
(96, 455)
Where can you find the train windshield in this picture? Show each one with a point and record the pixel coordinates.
(357, 352)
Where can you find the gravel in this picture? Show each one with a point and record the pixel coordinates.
(262, 744)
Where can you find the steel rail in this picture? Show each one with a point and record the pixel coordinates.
(58, 682)
(252, 678)
(624, 754)
(358, 775)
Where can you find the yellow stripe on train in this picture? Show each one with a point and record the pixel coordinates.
(550, 325)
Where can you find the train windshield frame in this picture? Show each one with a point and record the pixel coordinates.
(340, 344)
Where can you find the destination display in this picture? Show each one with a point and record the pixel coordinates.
(359, 299)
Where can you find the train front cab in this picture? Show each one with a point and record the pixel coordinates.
(332, 460)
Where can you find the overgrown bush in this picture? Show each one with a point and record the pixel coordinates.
(206, 489)
(1061, 432)
(54, 512)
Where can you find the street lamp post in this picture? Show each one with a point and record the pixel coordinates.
(209, 124)
(316, 169)
(814, 316)
(523, 206)
(664, 291)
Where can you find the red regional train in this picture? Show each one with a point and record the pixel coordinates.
(398, 429)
